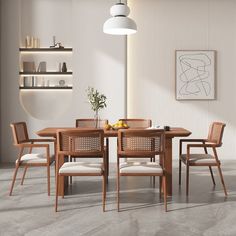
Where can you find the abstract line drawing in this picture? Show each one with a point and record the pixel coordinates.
(195, 75)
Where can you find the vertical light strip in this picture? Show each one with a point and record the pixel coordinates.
(127, 71)
(126, 79)
(126, 76)
(207, 38)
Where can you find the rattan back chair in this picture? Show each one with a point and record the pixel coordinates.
(137, 143)
(137, 123)
(81, 143)
(213, 141)
(90, 123)
(21, 140)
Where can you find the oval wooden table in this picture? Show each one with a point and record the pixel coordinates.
(172, 133)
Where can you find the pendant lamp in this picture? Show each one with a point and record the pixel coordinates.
(119, 23)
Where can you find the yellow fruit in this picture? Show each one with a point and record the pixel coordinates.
(107, 127)
(120, 122)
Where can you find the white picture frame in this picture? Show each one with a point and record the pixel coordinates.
(195, 74)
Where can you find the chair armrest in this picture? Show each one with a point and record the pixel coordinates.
(192, 140)
(200, 145)
(31, 145)
(181, 141)
(42, 140)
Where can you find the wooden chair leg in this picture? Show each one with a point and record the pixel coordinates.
(187, 180)
(104, 192)
(70, 178)
(23, 177)
(222, 179)
(48, 178)
(212, 176)
(107, 169)
(63, 188)
(55, 169)
(13, 180)
(180, 166)
(160, 187)
(57, 186)
(165, 192)
(154, 181)
(118, 191)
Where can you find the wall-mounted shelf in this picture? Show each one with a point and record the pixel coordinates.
(45, 49)
(40, 88)
(45, 73)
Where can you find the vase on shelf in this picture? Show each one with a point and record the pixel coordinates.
(64, 68)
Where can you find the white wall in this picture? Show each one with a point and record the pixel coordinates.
(98, 60)
(163, 27)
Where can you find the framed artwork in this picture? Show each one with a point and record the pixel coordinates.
(195, 74)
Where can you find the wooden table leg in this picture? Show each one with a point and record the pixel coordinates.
(168, 165)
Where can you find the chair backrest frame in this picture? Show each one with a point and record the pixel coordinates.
(90, 123)
(215, 133)
(70, 140)
(137, 123)
(152, 142)
(20, 133)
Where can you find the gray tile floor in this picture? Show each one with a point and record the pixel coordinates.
(31, 212)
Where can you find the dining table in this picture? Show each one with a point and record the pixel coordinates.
(173, 132)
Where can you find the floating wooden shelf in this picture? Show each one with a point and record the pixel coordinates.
(46, 73)
(40, 88)
(45, 49)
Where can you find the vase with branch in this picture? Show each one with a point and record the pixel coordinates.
(97, 102)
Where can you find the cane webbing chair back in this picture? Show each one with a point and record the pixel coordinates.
(20, 133)
(81, 143)
(143, 143)
(216, 133)
(137, 123)
(90, 123)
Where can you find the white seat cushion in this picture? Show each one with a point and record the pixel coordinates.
(199, 158)
(34, 158)
(140, 167)
(81, 167)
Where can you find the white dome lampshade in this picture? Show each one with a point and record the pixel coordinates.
(119, 23)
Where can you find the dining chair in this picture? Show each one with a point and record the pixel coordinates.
(90, 123)
(22, 141)
(141, 144)
(137, 123)
(213, 141)
(81, 143)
